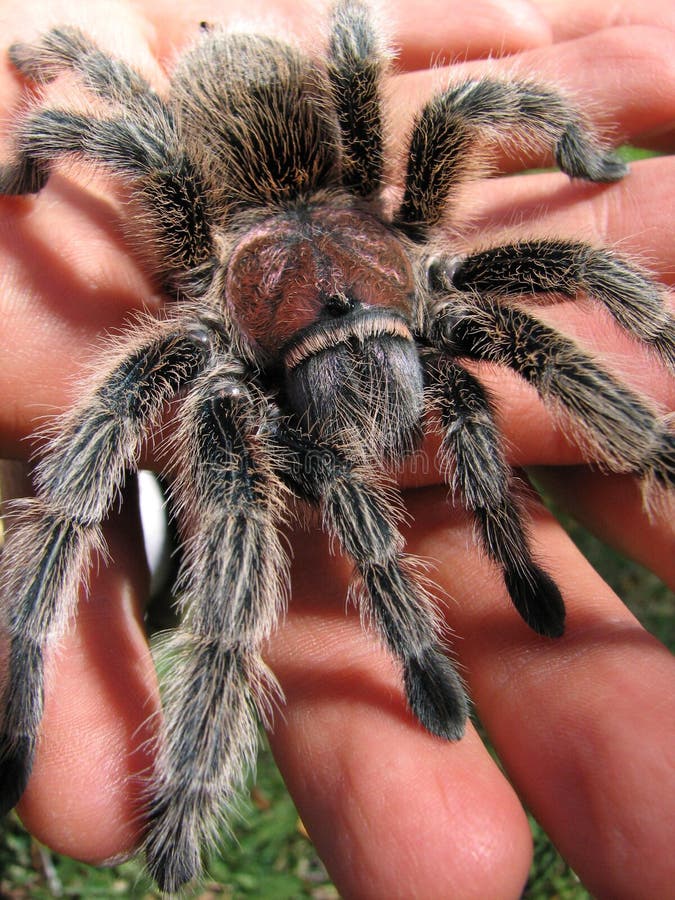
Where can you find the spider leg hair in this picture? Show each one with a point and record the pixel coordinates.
(67, 47)
(471, 448)
(231, 589)
(54, 533)
(254, 113)
(569, 267)
(447, 131)
(143, 147)
(357, 62)
(620, 427)
(360, 515)
(41, 567)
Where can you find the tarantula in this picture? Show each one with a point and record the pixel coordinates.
(313, 333)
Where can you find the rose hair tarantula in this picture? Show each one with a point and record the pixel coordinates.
(313, 330)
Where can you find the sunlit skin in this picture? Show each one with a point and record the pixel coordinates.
(594, 761)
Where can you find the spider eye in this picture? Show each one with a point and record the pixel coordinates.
(340, 304)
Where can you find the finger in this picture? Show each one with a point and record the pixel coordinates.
(392, 811)
(580, 723)
(432, 32)
(66, 278)
(489, 27)
(84, 798)
(616, 77)
(627, 216)
(612, 507)
(571, 19)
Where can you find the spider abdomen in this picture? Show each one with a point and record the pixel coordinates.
(249, 108)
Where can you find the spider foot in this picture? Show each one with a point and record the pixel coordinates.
(436, 694)
(44, 60)
(25, 176)
(20, 723)
(172, 855)
(16, 763)
(578, 157)
(538, 600)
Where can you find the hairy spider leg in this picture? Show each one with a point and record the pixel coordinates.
(357, 62)
(145, 149)
(231, 589)
(47, 549)
(622, 428)
(471, 449)
(359, 515)
(568, 268)
(53, 549)
(443, 149)
(67, 47)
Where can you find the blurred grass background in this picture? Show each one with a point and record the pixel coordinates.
(271, 857)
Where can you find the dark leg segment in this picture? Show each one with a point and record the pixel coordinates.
(623, 430)
(357, 63)
(570, 268)
(42, 564)
(54, 534)
(69, 48)
(359, 515)
(147, 151)
(231, 589)
(471, 441)
(443, 144)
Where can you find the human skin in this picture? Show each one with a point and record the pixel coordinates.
(583, 725)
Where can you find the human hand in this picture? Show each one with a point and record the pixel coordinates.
(393, 811)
